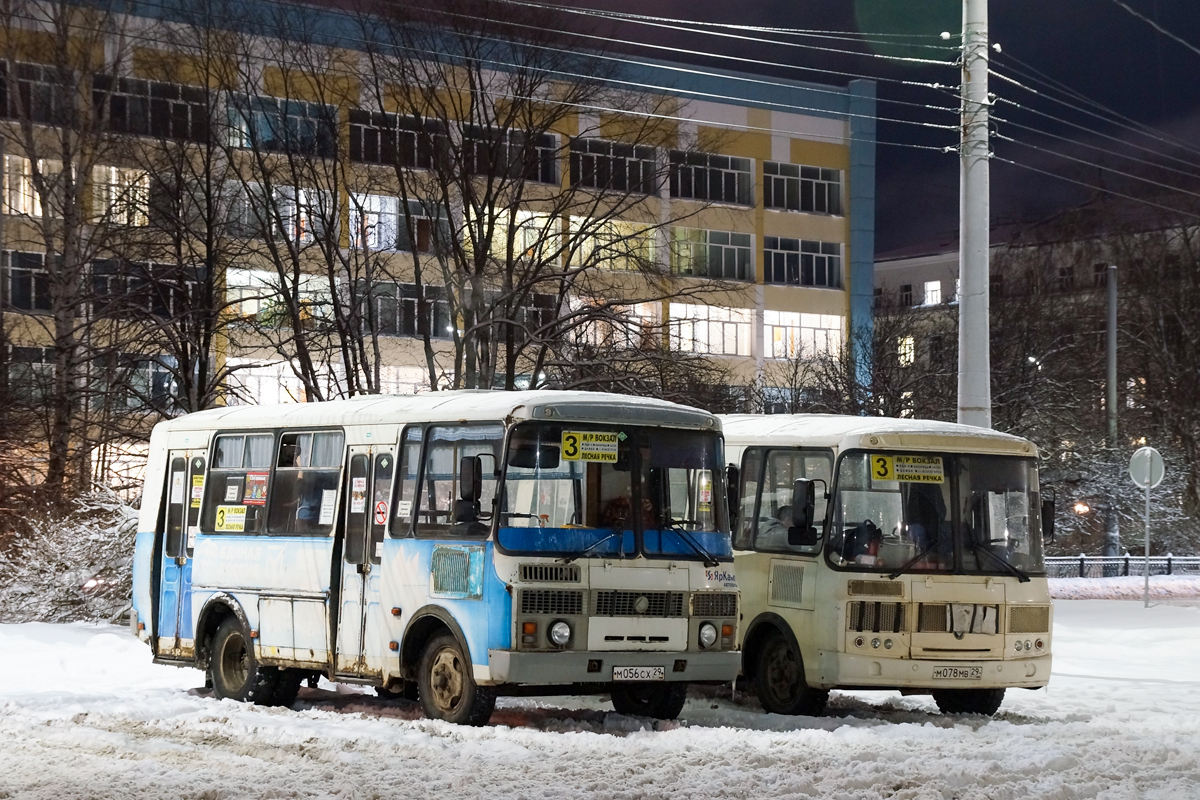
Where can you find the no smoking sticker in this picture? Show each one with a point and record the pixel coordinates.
(381, 513)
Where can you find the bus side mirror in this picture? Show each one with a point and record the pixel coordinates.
(470, 478)
(1048, 519)
(733, 477)
(804, 503)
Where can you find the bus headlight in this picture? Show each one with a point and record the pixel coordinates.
(559, 633)
(708, 634)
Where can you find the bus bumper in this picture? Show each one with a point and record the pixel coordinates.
(864, 672)
(597, 667)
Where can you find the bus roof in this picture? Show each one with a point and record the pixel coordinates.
(846, 432)
(452, 406)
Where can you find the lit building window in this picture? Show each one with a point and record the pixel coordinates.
(710, 329)
(933, 293)
(791, 334)
(906, 351)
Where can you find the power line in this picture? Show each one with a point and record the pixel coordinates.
(1158, 27)
(1097, 148)
(622, 111)
(1126, 122)
(1096, 188)
(646, 19)
(1085, 162)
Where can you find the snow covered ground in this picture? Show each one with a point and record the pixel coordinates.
(84, 714)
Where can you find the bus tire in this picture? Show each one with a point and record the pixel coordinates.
(237, 675)
(780, 681)
(968, 701)
(649, 699)
(447, 688)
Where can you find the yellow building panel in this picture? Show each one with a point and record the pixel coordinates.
(820, 154)
(159, 65)
(796, 225)
(806, 300)
(336, 88)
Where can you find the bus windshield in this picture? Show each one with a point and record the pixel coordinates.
(929, 512)
(583, 490)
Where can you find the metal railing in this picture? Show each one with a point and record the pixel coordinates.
(1110, 567)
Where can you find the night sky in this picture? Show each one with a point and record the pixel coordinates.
(1093, 46)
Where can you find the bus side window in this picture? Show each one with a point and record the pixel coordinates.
(385, 465)
(443, 511)
(748, 497)
(235, 492)
(406, 481)
(304, 495)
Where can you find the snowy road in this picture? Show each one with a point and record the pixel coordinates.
(83, 714)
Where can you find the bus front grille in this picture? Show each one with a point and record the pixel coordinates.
(714, 604)
(551, 601)
(550, 573)
(875, 617)
(933, 618)
(1029, 619)
(613, 603)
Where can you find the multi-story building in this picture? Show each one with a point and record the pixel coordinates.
(744, 217)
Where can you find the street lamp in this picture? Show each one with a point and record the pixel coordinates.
(1082, 507)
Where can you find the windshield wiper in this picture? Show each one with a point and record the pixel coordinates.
(1020, 574)
(709, 559)
(591, 547)
(907, 564)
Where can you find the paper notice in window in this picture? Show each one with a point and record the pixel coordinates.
(358, 495)
(404, 509)
(590, 446)
(328, 501)
(197, 490)
(230, 518)
(176, 488)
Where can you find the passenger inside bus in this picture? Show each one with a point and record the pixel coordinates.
(773, 529)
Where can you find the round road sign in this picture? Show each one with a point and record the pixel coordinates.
(1146, 468)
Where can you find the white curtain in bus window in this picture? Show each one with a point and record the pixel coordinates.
(443, 510)
(237, 486)
(304, 496)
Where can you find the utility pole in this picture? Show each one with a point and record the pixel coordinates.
(974, 359)
(1112, 523)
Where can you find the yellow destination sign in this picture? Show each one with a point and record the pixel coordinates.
(911, 469)
(589, 446)
(230, 518)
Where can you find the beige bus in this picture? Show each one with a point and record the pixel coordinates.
(881, 553)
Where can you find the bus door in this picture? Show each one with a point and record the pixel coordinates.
(184, 490)
(361, 633)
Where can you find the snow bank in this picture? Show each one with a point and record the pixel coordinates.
(1162, 587)
(84, 714)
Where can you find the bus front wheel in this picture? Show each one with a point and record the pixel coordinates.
(780, 681)
(968, 701)
(236, 673)
(649, 699)
(446, 687)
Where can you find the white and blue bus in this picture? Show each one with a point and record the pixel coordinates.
(447, 547)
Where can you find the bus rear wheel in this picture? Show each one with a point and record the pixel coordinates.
(656, 700)
(446, 687)
(780, 681)
(237, 675)
(968, 701)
